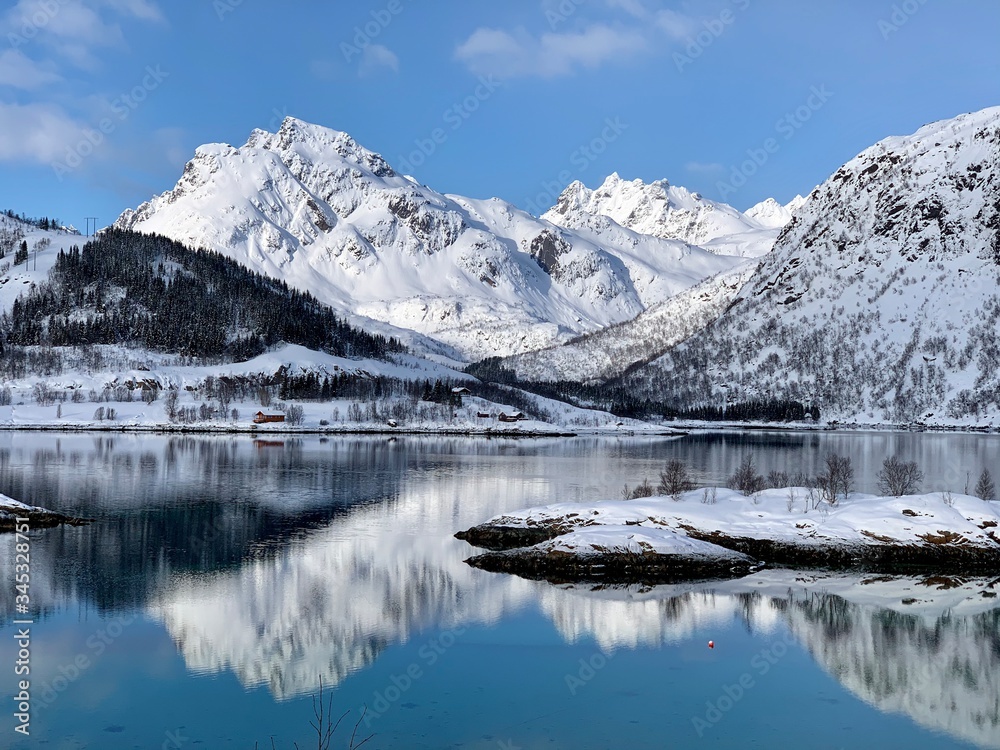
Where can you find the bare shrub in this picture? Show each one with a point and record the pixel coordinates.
(325, 727)
(746, 479)
(801, 479)
(985, 489)
(898, 478)
(815, 496)
(675, 479)
(838, 481)
(777, 480)
(643, 490)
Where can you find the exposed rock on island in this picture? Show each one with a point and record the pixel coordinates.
(38, 518)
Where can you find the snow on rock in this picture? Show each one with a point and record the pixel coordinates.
(312, 207)
(611, 553)
(640, 541)
(9, 504)
(11, 510)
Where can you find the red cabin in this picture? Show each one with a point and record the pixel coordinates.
(262, 418)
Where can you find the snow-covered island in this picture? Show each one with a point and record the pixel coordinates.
(723, 533)
(11, 510)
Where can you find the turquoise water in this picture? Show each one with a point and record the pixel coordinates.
(225, 580)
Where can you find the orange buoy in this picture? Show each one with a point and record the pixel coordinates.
(711, 644)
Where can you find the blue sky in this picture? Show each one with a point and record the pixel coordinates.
(103, 101)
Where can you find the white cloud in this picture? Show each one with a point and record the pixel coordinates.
(21, 72)
(73, 28)
(709, 168)
(377, 57)
(577, 40)
(632, 7)
(144, 10)
(35, 132)
(42, 34)
(324, 70)
(676, 25)
(507, 55)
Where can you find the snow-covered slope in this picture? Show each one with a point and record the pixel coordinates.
(880, 301)
(670, 212)
(611, 351)
(311, 206)
(43, 249)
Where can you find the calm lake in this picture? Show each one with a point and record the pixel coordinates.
(226, 578)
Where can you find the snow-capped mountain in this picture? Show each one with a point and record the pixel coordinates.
(663, 210)
(314, 208)
(880, 301)
(772, 215)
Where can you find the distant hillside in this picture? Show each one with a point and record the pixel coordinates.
(147, 291)
(613, 351)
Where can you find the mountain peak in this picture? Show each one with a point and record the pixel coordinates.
(655, 208)
(317, 143)
(772, 215)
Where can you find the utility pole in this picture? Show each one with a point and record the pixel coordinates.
(89, 220)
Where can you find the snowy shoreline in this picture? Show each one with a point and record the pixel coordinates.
(532, 431)
(668, 539)
(529, 428)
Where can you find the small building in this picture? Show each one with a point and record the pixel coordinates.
(392, 423)
(461, 391)
(262, 418)
(484, 415)
(515, 417)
